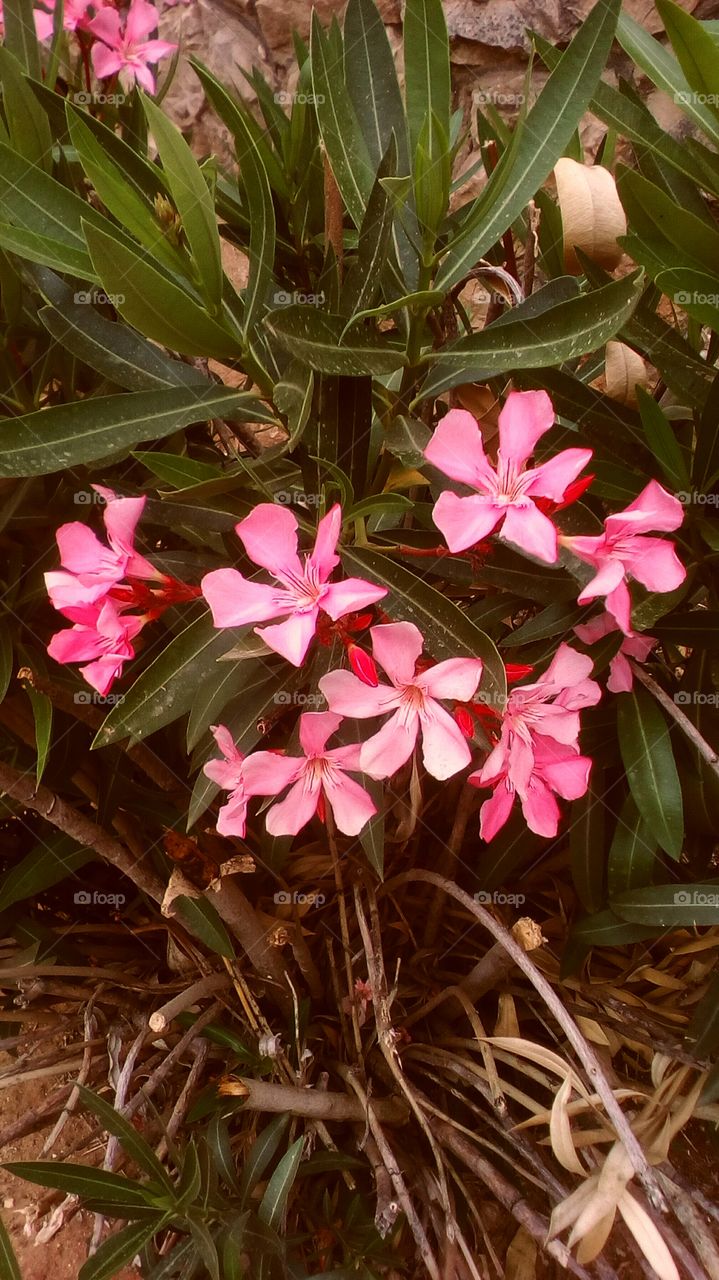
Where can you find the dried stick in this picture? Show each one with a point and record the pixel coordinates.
(585, 1053)
(179, 1111)
(162, 1017)
(83, 1077)
(313, 1104)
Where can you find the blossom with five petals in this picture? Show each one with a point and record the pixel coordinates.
(633, 646)
(538, 742)
(623, 550)
(124, 47)
(102, 637)
(413, 698)
(505, 494)
(74, 17)
(301, 588)
(317, 776)
(90, 569)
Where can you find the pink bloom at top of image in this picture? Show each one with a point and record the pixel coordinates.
(227, 773)
(301, 587)
(413, 698)
(546, 709)
(318, 773)
(633, 646)
(74, 17)
(505, 493)
(90, 568)
(124, 47)
(102, 638)
(623, 550)
(557, 770)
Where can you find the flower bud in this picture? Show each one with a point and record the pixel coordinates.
(362, 665)
(463, 720)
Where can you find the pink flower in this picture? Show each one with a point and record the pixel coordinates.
(92, 569)
(227, 773)
(632, 646)
(538, 745)
(623, 551)
(412, 696)
(506, 493)
(312, 778)
(556, 770)
(269, 535)
(126, 49)
(102, 635)
(74, 17)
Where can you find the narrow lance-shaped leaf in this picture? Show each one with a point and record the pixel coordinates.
(651, 771)
(341, 135)
(426, 67)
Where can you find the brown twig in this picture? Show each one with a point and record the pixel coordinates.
(162, 1017)
(313, 1104)
(691, 732)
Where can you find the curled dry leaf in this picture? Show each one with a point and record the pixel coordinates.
(624, 371)
(648, 1238)
(560, 1131)
(592, 214)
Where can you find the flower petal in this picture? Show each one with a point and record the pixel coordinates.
(540, 809)
(654, 510)
(323, 557)
(397, 646)
(464, 521)
(655, 563)
(391, 747)
(496, 810)
(291, 639)
(294, 812)
(444, 747)
(551, 478)
(236, 600)
(341, 598)
(232, 817)
(351, 805)
(525, 417)
(315, 728)
(529, 529)
(454, 678)
(456, 448)
(269, 535)
(266, 773)
(352, 697)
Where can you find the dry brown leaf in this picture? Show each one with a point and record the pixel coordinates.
(624, 370)
(592, 214)
(521, 1260)
(647, 1237)
(560, 1131)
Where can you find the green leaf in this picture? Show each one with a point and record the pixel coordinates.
(6, 660)
(273, 1204)
(341, 135)
(664, 71)
(9, 1267)
(428, 86)
(544, 137)
(217, 689)
(705, 466)
(587, 843)
(154, 304)
(28, 125)
(561, 333)
(84, 1181)
(607, 930)
(178, 470)
(263, 1150)
(662, 441)
(19, 35)
(64, 435)
(46, 251)
(242, 124)
(205, 1247)
(126, 202)
(316, 337)
(649, 763)
(193, 201)
(633, 851)
(218, 1138)
(47, 864)
(42, 717)
(117, 1252)
(372, 84)
(696, 50)
(670, 906)
(133, 1144)
(365, 275)
(557, 619)
(166, 689)
(202, 920)
(676, 236)
(447, 631)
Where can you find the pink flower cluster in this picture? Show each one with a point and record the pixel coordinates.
(121, 45)
(410, 700)
(98, 583)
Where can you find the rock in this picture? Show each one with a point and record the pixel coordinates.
(503, 23)
(279, 18)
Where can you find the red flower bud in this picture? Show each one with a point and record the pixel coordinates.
(517, 671)
(464, 721)
(362, 665)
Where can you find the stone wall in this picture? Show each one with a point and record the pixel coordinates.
(488, 48)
